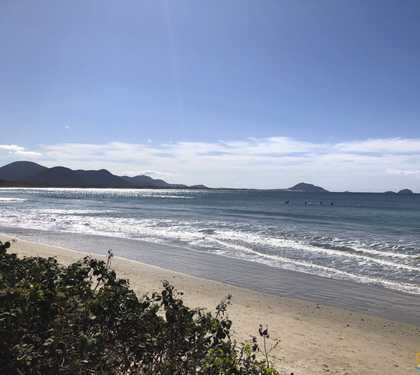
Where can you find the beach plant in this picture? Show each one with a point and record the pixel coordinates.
(267, 347)
(83, 319)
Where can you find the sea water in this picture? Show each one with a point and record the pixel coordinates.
(365, 238)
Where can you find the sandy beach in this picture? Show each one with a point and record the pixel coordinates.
(315, 339)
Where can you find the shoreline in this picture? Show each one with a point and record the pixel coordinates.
(363, 344)
(349, 295)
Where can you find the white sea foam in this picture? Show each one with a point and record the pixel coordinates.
(57, 211)
(11, 200)
(319, 270)
(70, 221)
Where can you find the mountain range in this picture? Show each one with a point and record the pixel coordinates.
(30, 174)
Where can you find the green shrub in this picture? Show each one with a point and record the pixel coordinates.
(82, 319)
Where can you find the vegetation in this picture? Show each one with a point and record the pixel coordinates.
(82, 319)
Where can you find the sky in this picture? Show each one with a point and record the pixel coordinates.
(238, 93)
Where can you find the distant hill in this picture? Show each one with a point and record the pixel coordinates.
(149, 182)
(198, 187)
(303, 187)
(405, 192)
(4, 183)
(66, 177)
(401, 192)
(20, 171)
(29, 174)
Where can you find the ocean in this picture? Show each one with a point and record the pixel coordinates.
(359, 237)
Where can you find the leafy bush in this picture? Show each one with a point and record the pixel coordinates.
(82, 319)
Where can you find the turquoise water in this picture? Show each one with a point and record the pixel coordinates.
(366, 238)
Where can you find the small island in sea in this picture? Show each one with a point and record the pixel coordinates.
(400, 192)
(405, 192)
(304, 187)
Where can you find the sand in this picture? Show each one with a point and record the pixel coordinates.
(315, 339)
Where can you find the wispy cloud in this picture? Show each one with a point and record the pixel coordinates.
(372, 165)
(404, 172)
(18, 151)
(382, 146)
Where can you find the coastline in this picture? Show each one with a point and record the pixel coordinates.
(315, 338)
(345, 294)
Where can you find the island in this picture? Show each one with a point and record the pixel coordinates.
(405, 192)
(304, 187)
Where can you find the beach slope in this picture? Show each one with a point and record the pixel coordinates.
(315, 339)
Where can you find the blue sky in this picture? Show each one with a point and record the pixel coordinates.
(265, 89)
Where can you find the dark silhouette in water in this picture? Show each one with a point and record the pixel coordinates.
(405, 192)
(332, 204)
(303, 187)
